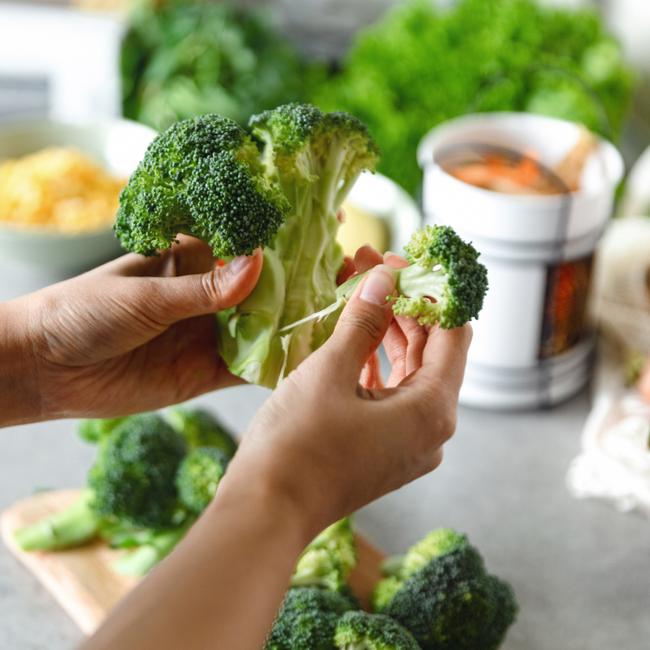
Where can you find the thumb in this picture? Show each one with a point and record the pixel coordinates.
(224, 286)
(362, 324)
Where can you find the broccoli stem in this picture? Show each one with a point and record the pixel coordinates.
(72, 527)
(140, 561)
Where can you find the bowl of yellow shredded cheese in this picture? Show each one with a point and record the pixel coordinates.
(59, 190)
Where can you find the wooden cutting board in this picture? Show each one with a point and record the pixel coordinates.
(82, 580)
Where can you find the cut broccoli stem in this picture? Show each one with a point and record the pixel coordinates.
(72, 527)
(140, 561)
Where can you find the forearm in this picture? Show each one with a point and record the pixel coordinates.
(222, 586)
(19, 394)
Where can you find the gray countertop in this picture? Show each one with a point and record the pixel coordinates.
(580, 569)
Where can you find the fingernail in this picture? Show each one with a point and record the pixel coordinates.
(379, 284)
(238, 264)
(388, 254)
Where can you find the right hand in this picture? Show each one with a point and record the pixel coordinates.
(329, 445)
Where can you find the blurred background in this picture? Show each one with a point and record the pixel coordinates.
(86, 84)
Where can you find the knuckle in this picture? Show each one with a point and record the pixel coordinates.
(363, 322)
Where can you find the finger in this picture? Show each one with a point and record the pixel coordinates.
(346, 271)
(443, 362)
(395, 346)
(365, 258)
(361, 327)
(177, 298)
(371, 373)
(394, 260)
(416, 338)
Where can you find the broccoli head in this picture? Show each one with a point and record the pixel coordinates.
(328, 559)
(452, 604)
(361, 631)
(202, 429)
(307, 620)
(133, 478)
(95, 430)
(201, 177)
(198, 477)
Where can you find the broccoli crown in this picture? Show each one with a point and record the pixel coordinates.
(362, 631)
(445, 283)
(198, 477)
(133, 478)
(302, 143)
(95, 430)
(434, 544)
(328, 559)
(201, 177)
(384, 591)
(307, 620)
(202, 429)
(452, 604)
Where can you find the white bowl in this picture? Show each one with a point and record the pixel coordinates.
(117, 144)
(383, 198)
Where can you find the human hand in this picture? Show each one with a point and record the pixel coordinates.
(328, 444)
(134, 334)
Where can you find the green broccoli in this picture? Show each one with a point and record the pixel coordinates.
(328, 559)
(316, 158)
(202, 177)
(444, 282)
(73, 526)
(361, 631)
(453, 604)
(95, 430)
(307, 620)
(133, 478)
(201, 429)
(198, 477)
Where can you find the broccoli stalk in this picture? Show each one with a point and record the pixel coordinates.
(71, 527)
(151, 549)
(362, 631)
(315, 158)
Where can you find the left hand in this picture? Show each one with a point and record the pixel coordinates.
(132, 335)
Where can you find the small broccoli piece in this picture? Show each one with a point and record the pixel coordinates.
(307, 620)
(201, 177)
(452, 604)
(328, 559)
(73, 526)
(198, 477)
(133, 478)
(315, 157)
(201, 429)
(95, 430)
(384, 591)
(444, 268)
(361, 631)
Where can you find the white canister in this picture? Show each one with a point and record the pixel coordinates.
(531, 345)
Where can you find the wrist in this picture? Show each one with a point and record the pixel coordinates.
(19, 391)
(250, 486)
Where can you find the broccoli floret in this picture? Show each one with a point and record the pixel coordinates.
(198, 477)
(444, 268)
(307, 620)
(202, 177)
(452, 604)
(73, 526)
(400, 567)
(133, 478)
(202, 429)
(315, 157)
(94, 430)
(361, 631)
(328, 559)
